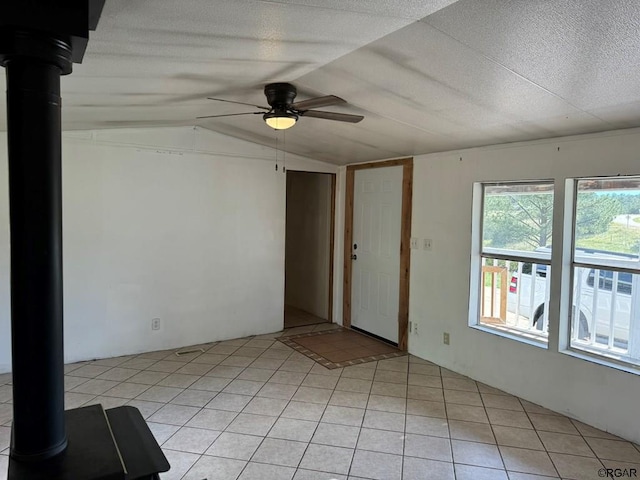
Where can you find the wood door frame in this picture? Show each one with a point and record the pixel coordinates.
(405, 243)
(332, 233)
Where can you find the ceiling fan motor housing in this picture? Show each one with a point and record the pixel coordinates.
(280, 95)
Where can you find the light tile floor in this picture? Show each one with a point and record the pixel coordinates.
(295, 317)
(254, 409)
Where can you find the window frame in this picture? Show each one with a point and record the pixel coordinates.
(587, 353)
(480, 252)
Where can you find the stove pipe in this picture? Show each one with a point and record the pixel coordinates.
(35, 209)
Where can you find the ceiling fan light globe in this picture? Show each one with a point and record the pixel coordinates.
(280, 121)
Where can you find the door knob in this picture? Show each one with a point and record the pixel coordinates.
(354, 257)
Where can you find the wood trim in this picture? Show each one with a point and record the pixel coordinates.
(348, 240)
(405, 255)
(332, 234)
(502, 271)
(386, 163)
(405, 243)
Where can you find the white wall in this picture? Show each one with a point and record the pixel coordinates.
(308, 228)
(439, 297)
(181, 224)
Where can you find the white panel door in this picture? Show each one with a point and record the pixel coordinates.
(377, 219)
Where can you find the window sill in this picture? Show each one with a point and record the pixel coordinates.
(602, 360)
(529, 340)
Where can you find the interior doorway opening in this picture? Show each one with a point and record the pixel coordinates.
(310, 218)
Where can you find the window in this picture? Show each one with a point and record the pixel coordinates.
(605, 318)
(515, 258)
(600, 289)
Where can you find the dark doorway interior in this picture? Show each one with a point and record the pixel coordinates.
(309, 248)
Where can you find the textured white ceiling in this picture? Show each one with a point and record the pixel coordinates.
(429, 75)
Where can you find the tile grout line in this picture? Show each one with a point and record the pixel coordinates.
(484, 406)
(585, 441)
(537, 432)
(527, 413)
(200, 456)
(241, 411)
(276, 421)
(277, 417)
(320, 420)
(406, 415)
(321, 415)
(364, 415)
(446, 414)
(222, 431)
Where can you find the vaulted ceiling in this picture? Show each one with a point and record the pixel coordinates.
(428, 75)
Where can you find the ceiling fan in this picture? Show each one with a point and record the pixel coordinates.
(283, 112)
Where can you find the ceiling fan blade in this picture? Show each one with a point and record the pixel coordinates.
(233, 114)
(317, 102)
(239, 103)
(340, 117)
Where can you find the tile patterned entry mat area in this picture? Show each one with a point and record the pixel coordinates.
(340, 347)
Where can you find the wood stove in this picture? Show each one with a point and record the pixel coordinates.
(39, 42)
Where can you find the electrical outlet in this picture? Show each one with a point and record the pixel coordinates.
(445, 338)
(415, 328)
(414, 242)
(155, 324)
(427, 243)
